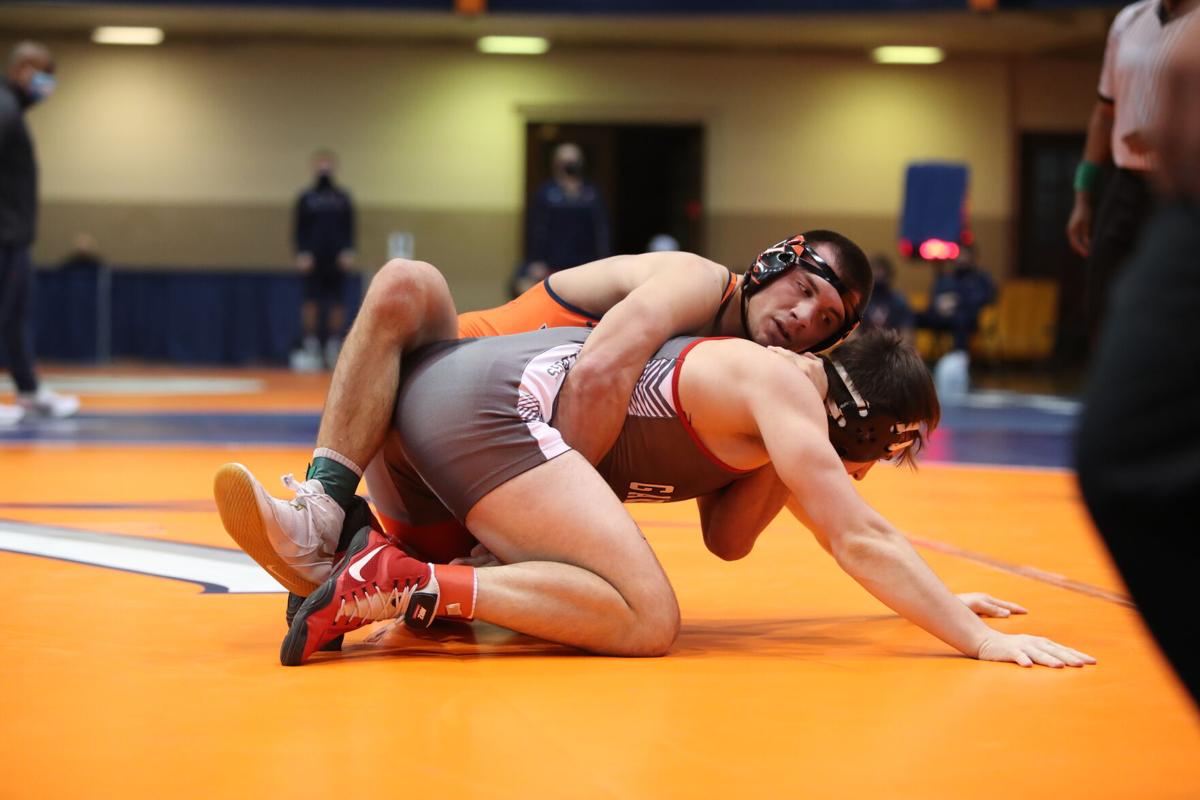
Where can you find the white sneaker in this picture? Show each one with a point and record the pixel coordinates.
(333, 346)
(951, 375)
(303, 361)
(10, 415)
(293, 540)
(46, 403)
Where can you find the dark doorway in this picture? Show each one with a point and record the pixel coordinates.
(1048, 162)
(648, 175)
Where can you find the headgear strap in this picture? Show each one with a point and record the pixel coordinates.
(857, 431)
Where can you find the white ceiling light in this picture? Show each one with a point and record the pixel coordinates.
(119, 35)
(907, 55)
(513, 45)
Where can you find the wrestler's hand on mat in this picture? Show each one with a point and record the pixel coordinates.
(987, 606)
(1026, 650)
(807, 363)
(480, 557)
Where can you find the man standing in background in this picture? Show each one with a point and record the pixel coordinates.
(324, 242)
(1104, 229)
(568, 223)
(29, 79)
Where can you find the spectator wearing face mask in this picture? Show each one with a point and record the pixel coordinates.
(324, 242)
(568, 223)
(29, 79)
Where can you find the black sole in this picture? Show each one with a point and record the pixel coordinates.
(294, 602)
(358, 516)
(291, 653)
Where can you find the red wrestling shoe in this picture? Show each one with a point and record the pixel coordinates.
(375, 581)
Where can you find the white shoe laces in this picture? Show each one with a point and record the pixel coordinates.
(309, 523)
(376, 605)
(302, 491)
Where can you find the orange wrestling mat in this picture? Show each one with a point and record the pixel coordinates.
(146, 678)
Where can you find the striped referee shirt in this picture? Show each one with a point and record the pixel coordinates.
(1139, 41)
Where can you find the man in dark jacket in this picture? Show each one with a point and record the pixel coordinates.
(324, 241)
(957, 298)
(29, 79)
(568, 224)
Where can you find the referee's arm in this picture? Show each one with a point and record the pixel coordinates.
(1097, 149)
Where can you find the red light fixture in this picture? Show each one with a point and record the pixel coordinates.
(938, 250)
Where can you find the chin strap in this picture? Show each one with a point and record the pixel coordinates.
(745, 305)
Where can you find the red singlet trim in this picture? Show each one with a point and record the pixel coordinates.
(679, 412)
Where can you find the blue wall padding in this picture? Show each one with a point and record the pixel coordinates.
(177, 317)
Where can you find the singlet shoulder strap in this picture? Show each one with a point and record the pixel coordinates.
(730, 286)
(574, 309)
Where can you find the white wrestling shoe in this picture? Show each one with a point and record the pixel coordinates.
(293, 540)
(46, 403)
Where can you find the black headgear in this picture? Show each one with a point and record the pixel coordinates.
(858, 431)
(784, 256)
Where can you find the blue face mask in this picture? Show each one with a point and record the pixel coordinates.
(41, 86)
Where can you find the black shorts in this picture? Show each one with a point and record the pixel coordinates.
(325, 282)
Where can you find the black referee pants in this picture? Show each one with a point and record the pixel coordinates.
(1120, 217)
(16, 295)
(1138, 451)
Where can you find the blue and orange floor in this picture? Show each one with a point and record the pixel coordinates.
(140, 648)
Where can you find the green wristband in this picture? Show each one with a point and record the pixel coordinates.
(1086, 176)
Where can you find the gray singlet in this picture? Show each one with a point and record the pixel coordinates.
(474, 413)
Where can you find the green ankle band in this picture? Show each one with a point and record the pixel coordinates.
(340, 482)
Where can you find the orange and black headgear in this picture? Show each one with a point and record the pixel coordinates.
(792, 253)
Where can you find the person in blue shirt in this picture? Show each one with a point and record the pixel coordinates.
(957, 298)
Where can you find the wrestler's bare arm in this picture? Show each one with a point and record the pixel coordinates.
(649, 298)
(864, 544)
(732, 518)
(597, 286)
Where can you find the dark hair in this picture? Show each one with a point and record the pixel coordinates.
(890, 375)
(851, 264)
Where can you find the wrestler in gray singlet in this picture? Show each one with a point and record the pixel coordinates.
(474, 413)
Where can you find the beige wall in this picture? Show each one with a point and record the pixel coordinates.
(191, 155)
